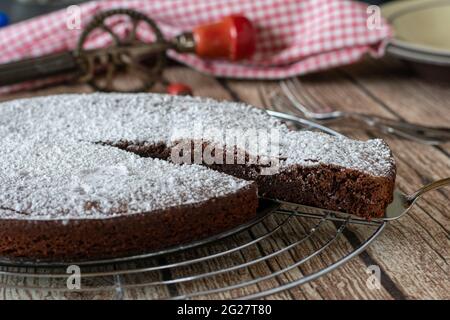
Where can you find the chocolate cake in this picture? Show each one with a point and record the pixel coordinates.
(106, 175)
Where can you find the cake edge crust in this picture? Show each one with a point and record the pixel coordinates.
(127, 235)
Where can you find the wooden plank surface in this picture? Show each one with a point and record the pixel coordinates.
(413, 253)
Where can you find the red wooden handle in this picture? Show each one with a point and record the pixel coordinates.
(233, 38)
(179, 89)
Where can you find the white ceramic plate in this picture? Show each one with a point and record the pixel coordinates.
(422, 30)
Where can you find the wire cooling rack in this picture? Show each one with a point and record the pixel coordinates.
(281, 249)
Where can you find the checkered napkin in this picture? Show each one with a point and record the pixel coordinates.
(294, 37)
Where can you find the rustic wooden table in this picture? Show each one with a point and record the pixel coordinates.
(413, 252)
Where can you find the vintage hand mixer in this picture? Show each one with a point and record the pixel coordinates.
(232, 38)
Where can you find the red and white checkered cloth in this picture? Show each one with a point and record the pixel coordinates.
(295, 37)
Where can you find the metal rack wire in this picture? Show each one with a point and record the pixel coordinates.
(283, 248)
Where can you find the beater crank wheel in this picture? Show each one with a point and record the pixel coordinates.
(127, 55)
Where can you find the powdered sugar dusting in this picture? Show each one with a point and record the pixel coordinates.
(51, 167)
(312, 148)
(65, 180)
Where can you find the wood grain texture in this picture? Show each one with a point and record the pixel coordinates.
(418, 245)
(413, 253)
